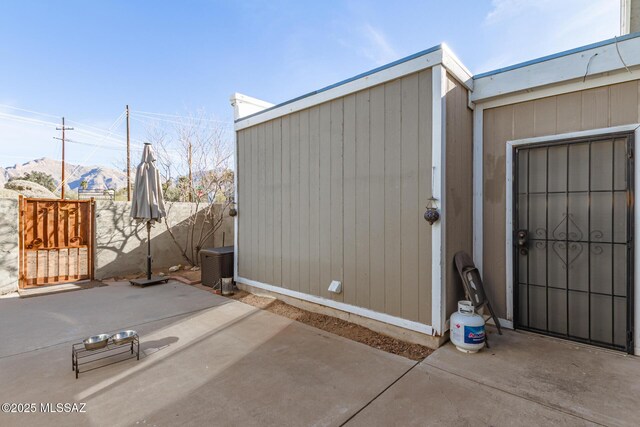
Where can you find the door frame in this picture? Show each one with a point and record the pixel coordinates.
(510, 209)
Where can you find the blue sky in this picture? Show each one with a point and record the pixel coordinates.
(87, 59)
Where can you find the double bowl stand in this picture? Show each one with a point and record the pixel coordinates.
(80, 356)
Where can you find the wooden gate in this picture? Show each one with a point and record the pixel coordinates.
(56, 241)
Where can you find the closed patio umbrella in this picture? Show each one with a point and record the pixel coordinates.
(148, 204)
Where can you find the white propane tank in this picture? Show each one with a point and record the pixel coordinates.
(467, 328)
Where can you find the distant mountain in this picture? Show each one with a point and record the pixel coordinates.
(97, 177)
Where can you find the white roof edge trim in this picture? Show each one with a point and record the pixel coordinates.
(249, 99)
(559, 89)
(244, 105)
(453, 64)
(409, 67)
(592, 62)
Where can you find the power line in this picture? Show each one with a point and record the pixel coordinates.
(63, 128)
(160, 119)
(10, 116)
(136, 148)
(87, 126)
(112, 138)
(182, 117)
(145, 114)
(31, 120)
(112, 128)
(28, 111)
(106, 147)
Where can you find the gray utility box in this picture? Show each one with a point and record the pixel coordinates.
(216, 263)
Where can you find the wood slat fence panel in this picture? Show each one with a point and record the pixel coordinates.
(56, 241)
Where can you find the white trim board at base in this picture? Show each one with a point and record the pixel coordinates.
(360, 311)
(561, 138)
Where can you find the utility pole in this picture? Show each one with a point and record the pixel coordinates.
(63, 128)
(128, 159)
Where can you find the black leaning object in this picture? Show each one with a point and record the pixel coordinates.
(473, 287)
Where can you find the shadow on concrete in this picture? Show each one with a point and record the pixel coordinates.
(288, 374)
(47, 321)
(152, 346)
(231, 362)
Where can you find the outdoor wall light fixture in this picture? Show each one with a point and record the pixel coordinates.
(232, 210)
(432, 214)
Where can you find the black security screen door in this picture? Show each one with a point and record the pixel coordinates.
(573, 250)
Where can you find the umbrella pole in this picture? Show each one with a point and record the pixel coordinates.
(148, 250)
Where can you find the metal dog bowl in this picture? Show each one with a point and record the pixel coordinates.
(96, 342)
(123, 337)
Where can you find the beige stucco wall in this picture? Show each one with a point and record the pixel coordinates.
(121, 244)
(589, 109)
(9, 252)
(338, 192)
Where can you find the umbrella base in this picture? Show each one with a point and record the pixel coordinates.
(147, 282)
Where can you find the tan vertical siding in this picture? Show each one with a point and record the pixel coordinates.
(286, 203)
(411, 216)
(277, 202)
(303, 223)
(314, 201)
(459, 186)
(424, 192)
(349, 188)
(595, 108)
(583, 110)
(377, 193)
(337, 192)
(362, 196)
(325, 198)
(255, 208)
(392, 174)
(294, 218)
(269, 249)
(262, 185)
(243, 191)
(498, 127)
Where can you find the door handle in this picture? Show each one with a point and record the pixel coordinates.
(523, 241)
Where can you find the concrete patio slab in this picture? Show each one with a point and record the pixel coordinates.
(32, 323)
(428, 396)
(231, 364)
(207, 360)
(595, 384)
(523, 379)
